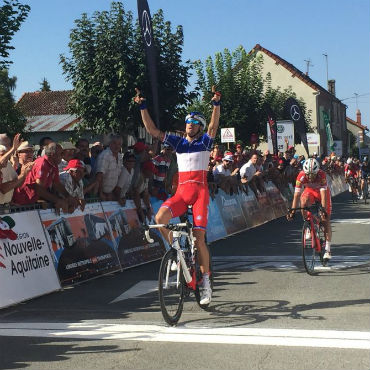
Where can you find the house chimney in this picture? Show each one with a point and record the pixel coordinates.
(331, 86)
(358, 116)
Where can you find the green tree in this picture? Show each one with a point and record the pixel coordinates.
(45, 86)
(11, 119)
(107, 62)
(12, 14)
(238, 75)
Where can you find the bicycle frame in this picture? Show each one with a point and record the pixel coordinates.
(315, 224)
(190, 276)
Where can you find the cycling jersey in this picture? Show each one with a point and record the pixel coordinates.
(192, 157)
(312, 189)
(192, 161)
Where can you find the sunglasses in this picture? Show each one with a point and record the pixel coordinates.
(193, 121)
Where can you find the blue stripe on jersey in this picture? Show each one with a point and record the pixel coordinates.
(181, 145)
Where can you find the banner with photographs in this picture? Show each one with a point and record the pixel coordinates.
(231, 212)
(128, 233)
(26, 266)
(81, 243)
(216, 228)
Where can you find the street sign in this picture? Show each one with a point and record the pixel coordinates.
(228, 135)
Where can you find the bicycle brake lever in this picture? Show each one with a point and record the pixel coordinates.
(147, 236)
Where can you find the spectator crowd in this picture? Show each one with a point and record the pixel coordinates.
(67, 175)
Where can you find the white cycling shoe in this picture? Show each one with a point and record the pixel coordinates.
(327, 255)
(206, 296)
(308, 234)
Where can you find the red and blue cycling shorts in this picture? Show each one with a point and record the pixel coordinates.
(310, 196)
(194, 194)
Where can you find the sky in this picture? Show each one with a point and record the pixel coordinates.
(296, 30)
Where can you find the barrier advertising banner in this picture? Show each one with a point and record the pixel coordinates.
(215, 228)
(26, 266)
(81, 243)
(128, 233)
(231, 212)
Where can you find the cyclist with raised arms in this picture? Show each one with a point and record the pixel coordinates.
(316, 189)
(193, 152)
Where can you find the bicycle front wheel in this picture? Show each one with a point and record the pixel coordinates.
(308, 249)
(171, 288)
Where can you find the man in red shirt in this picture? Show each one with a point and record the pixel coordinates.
(43, 182)
(316, 189)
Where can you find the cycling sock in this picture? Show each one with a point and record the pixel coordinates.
(206, 282)
(327, 246)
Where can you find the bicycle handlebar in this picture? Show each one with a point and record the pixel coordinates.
(175, 227)
(319, 207)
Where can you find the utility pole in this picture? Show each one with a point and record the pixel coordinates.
(308, 64)
(327, 68)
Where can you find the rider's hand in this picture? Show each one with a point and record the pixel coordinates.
(138, 99)
(216, 95)
(290, 215)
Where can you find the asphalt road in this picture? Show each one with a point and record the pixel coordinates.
(266, 313)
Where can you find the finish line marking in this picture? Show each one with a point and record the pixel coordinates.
(179, 334)
(362, 221)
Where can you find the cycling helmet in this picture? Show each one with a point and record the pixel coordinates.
(196, 116)
(311, 166)
(349, 161)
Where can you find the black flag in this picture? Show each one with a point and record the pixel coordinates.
(271, 117)
(145, 22)
(295, 113)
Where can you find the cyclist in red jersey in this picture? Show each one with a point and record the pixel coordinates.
(316, 189)
(193, 152)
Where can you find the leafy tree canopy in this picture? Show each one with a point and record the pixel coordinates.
(107, 62)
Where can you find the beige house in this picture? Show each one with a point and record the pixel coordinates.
(358, 130)
(317, 99)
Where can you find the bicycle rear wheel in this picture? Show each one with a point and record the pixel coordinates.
(171, 288)
(199, 279)
(308, 249)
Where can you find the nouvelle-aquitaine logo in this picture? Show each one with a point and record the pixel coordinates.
(6, 232)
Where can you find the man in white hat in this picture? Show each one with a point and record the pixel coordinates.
(68, 153)
(25, 154)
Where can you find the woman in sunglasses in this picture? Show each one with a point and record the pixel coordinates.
(193, 152)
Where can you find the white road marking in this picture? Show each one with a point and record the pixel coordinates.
(363, 221)
(141, 288)
(222, 263)
(181, 334)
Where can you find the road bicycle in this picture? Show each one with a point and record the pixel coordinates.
(353, 183)
(313, 238)
(179, 273)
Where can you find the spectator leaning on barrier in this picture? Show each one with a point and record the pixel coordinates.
(224, 175)
(141, 190)
(108, 169)
(125, 178)
(95, 150)
(71, 178)
(251, 176)
(43, 183)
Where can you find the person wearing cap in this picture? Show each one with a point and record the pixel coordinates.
(9, 183)
(68, 153)
(43, 182)
(71, 178)
(224, 175)
(193, 153)
(25, 154)
(108, 169)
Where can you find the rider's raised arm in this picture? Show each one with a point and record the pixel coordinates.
(147, 120)
(215, 119)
